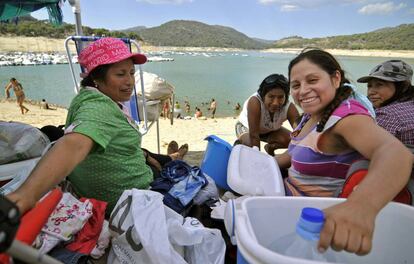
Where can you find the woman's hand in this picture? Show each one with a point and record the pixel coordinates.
(52, 169)
(24, 202)
(348, 226)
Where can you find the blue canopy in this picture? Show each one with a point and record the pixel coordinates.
(16, 8)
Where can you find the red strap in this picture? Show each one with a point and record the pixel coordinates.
(352, 181)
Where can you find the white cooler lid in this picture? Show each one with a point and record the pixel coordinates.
(251, 172)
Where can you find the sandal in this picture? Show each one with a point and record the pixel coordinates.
(172, 147)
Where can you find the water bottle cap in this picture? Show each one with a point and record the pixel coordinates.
(312, 215)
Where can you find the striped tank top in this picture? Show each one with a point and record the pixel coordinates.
(312, 172)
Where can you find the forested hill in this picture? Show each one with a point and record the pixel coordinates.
(184, 33)
(181, 33)
(392, 38)
(30, 27)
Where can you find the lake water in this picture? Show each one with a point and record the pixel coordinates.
(228, 77)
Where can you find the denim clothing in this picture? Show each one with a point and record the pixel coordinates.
(180, 183)
(68, 257)
(188, 188)
(188, 180)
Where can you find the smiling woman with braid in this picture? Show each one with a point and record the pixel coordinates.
(335, 131)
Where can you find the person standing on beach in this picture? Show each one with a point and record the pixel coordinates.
(166, 109)
(177, 109)
(264, 113)
(213, 107)
(18, 91)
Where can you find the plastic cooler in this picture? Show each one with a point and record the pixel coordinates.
(261, 220)
(215, 160)
(252, 172)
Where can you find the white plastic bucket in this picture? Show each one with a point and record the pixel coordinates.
(262, 220)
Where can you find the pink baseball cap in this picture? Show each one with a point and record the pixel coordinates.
(106, 51)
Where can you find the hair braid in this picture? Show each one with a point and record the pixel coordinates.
(342, 93)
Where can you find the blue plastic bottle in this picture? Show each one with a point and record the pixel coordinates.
(303, 243)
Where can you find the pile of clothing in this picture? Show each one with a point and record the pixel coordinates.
(183, 185)
(68, 229)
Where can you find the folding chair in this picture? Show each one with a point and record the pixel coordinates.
(20, 232)
(133, 104)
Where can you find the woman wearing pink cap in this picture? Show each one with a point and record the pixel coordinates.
(100, 151)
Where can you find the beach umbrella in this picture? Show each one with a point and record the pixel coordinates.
(155, 87)
(17, 8)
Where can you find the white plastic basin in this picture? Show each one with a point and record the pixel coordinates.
(262, 220)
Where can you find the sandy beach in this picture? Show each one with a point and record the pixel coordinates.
(42, 44)
(191, 131)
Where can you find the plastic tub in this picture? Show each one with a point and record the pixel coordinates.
(251, 172)
(262, 220)
(215, 160)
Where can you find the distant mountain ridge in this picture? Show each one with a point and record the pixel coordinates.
(390, 38)
(184, 33)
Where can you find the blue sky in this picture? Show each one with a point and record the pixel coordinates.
(266, 19)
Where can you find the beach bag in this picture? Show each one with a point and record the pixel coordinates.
(155, 87)
(145, 231)
(20, 141)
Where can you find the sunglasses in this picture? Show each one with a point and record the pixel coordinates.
(275, 79)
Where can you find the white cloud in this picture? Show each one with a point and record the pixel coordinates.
(288, 8)
(381, 8)
(314, 3)
(176, 2)
(411, 11)
(292, 5)
(268, 2)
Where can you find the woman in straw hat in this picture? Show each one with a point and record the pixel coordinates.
(100, 151)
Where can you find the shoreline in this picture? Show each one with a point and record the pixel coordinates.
(42, 44)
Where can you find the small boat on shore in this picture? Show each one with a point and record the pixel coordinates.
(159, 59)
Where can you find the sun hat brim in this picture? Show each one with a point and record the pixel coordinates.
(137, 58)
(366, 79)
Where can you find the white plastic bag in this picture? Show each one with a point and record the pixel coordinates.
(146, 231)
(202, 245)
(139, 230)
(20, 141)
